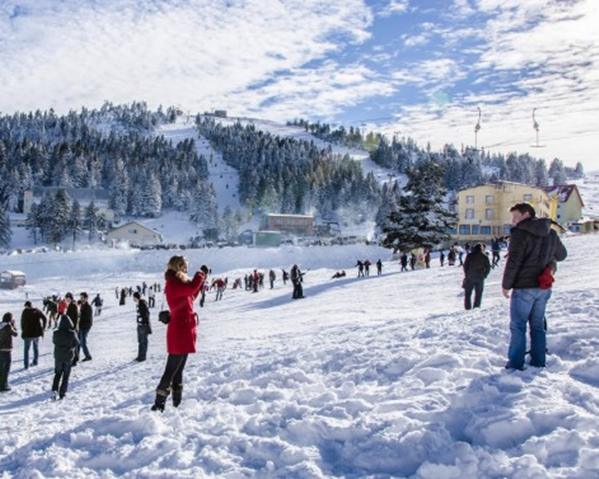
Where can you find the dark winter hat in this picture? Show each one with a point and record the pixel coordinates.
(28, 304)
(69, 296)
(136, 295)
(524, 208)
(7, 318)
(84, 295)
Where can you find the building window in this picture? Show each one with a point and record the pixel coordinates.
(475, 229)
(485, 230)
(528, 197)
(464, 229)
(469, 213)
(490, 199)
(469, 200)
(489, 213)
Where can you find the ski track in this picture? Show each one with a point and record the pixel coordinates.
(376, 377)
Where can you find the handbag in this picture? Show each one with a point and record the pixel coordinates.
(164, 316)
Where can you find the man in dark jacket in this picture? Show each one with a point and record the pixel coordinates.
(33, 323)
(476, 270)
(297, 277)
(65, 347)
(404, 261)
(534, 246)
(73, 313)
(85, 324)
(143, 327)
(7, 332)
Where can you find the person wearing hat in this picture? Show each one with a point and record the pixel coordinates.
(8, 330)
(66, 344)
(33, 324)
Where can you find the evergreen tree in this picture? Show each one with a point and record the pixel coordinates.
(5, 230)
(557, 172)
(91, 221)
(422, 219)
(579, 170)
(74, 224)
(60, 217)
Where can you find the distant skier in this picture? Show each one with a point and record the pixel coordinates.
(379, 267)
(360, 266)
(144, 328)
(442, 258)
(272, 276)
(8, 331)
(297, 277)
(123, 297)
(404, 261)
(367, 264)
(476, 270)
(97, 303)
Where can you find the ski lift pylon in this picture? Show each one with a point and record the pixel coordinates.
(535, 125)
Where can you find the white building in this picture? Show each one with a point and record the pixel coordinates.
(135, 234)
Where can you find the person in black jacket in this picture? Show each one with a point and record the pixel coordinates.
(476, 270)
(297, 277)
(534, 246)
(33, 324)
(7, 332)
(143, 326)
(86, 320)
(73, 313)
(65, 348)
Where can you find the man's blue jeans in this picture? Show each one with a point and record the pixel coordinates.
(527, 306)
(28, 343)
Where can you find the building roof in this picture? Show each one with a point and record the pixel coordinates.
(563, 192)
(284, 215)
(502, 182)
(136, 223)
(13, 272)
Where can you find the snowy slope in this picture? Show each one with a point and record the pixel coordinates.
(377, 377)
(383, 175)
(589, 190)
(224, 178)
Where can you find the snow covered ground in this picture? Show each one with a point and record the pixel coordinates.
(589, 190)
(377, 377)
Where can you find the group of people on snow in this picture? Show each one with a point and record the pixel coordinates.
(150, 291)
(533, 252)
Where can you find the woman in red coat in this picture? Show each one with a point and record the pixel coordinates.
(181, 332)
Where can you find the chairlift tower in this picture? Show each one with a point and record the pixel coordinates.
(477, 129)
(535, 125)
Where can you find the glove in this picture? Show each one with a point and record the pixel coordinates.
(204, 269)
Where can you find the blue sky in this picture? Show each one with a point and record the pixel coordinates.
(416, 68)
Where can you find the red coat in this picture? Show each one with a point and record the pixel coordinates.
(181, 331)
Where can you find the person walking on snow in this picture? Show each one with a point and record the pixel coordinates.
(73, 314)
(297, 277)
(33, 324)
(8, 331)
(533, 251)
(442, 258)
(144, 328)
(272, 276)
(476, 270)
(181, 331)
(97, 303)
(65, 348)
(360, 266)
(404, 261)
(379, 267)
(86, 319)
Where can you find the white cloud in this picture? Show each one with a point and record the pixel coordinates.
(394, 7)
(190, 52)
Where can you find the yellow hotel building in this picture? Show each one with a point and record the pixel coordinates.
(484, 211)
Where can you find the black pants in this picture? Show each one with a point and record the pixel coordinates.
(62, 371)
(5, 360)
(143, 330)
(298, 290)
(477, 286)
(173, 374)
(496, 258)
